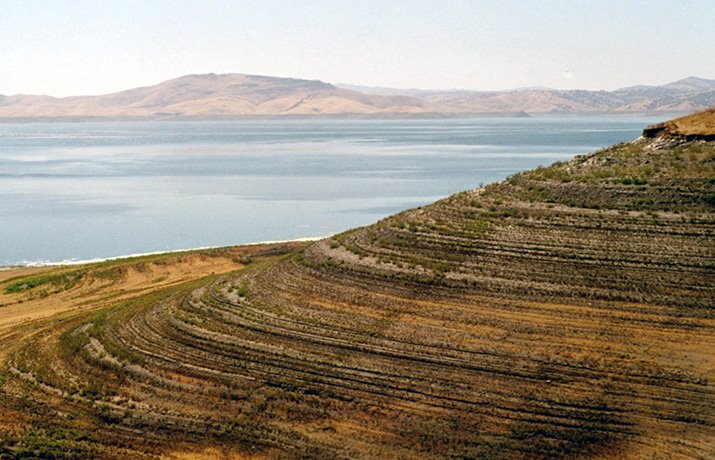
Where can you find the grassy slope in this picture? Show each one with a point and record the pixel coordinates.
(31, 294)
(698, 124)
(41, 302)
(565, 312)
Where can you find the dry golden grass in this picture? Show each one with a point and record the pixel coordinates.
(95, 292)
(564, 313)
(107, 283)
(696, 124)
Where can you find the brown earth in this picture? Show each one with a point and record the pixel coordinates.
(566, 312)
(240, 95)
(108, 283)
(699, 125)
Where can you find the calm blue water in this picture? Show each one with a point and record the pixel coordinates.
(87, 190)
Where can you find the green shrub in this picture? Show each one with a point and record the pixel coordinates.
(242, 292)
(61, 281)
(710, 199)
(633, 181)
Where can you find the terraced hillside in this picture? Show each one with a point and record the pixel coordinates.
(568, 311)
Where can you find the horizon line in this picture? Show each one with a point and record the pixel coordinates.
(535, 87)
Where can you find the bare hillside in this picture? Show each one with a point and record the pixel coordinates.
(566, 312)
(239, 95)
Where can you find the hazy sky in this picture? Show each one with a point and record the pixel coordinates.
(63, 47)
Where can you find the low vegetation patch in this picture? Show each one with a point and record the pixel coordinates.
(59, 281)
(562, 313)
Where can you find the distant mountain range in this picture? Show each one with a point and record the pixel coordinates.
(232, 95)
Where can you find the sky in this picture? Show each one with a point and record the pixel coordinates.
(65, 47)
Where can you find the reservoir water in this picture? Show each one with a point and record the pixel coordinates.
(76, 191)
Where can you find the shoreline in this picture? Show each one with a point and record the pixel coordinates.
(336, 117)
(72, 262)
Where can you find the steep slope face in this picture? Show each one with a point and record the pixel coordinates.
(698, 126)
(565, 312)
(568, 215)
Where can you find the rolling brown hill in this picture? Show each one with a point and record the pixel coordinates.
(239, 95)
(567, 312)
(214, 95)
(686, 95)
